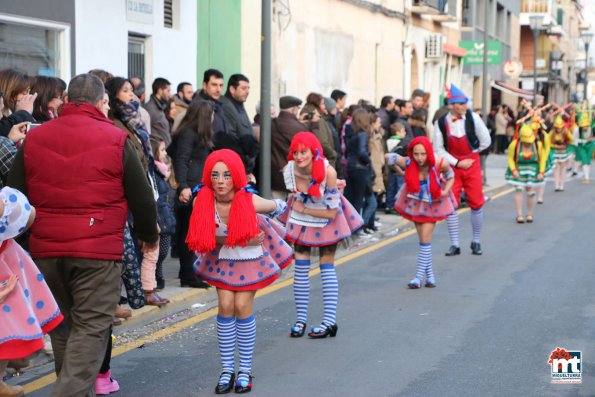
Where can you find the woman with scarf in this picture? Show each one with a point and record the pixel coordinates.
(239, 252)
(424, 199)
(319, 217)
(124, 111)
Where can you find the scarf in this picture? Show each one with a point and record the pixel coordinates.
(129, 115)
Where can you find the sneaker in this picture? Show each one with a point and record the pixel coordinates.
(377, 224)
(47, 345)
(362, 233)
(104, 384)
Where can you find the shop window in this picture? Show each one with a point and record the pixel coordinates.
(34, 48)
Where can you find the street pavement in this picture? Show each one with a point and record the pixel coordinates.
(486, 330)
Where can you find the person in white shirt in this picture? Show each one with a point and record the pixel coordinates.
(459, 136)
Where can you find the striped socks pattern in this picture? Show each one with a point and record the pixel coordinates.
(422, 259)
(226, 337)
(452, 223)
(330, 294)
(246, 328)
(301, 288)
(425, 257)
(476, 223)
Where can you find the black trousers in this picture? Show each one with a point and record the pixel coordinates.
(187, 257)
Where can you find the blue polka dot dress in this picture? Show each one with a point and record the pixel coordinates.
(246, 268)
(30, 310)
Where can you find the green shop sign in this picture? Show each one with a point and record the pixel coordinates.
(475, 52)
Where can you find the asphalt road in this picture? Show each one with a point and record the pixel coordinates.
(486, 330)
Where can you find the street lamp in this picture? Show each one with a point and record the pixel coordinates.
(586, 37)
(536, 22)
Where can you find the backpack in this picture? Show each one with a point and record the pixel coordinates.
(469, 130)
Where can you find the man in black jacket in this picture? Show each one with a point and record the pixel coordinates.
(239, 135)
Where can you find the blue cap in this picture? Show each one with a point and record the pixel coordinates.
(455, 95)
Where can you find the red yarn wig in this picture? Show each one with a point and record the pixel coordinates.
(242, 224)
(309, 141)
(412, 171)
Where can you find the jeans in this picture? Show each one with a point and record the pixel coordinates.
(394, 183)
(370, 210)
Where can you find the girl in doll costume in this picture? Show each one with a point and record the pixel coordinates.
(586, 146)
(526, 168)
(239, 252)
(424, 199)
(561, 141)
(321, 217)
(27, 308)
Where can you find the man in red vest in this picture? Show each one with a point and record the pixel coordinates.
(459, 136)
(82, 175)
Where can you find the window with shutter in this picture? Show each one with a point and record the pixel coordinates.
(168, 19)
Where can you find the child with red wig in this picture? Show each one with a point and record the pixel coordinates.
(319, 217)
(424, 199)
(239, 252)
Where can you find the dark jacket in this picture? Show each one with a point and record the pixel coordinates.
(159, 123)
(17, 117)
(82, 175)
(166, 218)
(358, 152)
(336, 145)
(189, 158)
(283, 128)
(219, 127)
(418, 128)
(240, 135)
(322, 130)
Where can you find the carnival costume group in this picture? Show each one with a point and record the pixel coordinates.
(243, 241)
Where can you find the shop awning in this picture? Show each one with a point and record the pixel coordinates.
(512, 90)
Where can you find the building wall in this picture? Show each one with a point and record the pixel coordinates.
(102, 40)
(320, 45)
(219, 36)
(432, 73)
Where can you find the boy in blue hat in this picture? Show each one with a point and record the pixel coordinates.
(459, 136)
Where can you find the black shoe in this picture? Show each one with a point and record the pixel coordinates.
(224, 388)
(194, 284)
(297, 332)
(160, 284)
(319, 334)
(476, 249)
(244, 389)
(453, 250)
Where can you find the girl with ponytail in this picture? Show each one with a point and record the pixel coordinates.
(424, 199)
(320, 217)
(239, 252)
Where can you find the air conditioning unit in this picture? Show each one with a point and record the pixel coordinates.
(435, 46)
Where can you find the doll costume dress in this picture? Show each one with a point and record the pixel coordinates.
(420, 207)
(30, 310)
(246, 268)
(313, 231)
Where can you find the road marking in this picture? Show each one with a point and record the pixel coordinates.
(51, 378)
